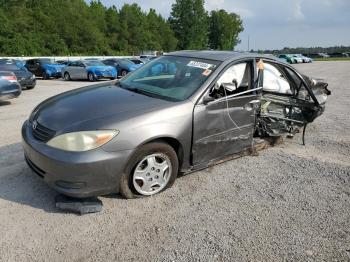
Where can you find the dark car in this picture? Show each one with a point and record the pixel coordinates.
(25, 78)
(123, 65)
(135, 135)
(44, 67)
(9, 87)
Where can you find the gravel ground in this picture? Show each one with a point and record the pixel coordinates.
(289, 203)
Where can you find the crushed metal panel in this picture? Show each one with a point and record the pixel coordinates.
(222, 128)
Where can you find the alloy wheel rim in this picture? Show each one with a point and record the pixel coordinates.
(152, 174)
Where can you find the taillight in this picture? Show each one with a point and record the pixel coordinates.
(9, 78)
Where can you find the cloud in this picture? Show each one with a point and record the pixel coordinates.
(298, 13)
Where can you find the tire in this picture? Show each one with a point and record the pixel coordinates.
(124, 73)
(66, 76)
(112, 78)
(45, 76)
(30, 87)
(130, 185)
(91, 77)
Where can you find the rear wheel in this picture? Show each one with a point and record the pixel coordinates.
(151, 170)
(91, 77)
(66, 76)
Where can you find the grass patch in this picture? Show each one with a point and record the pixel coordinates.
(333, 59)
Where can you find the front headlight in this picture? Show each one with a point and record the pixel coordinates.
(82, 141)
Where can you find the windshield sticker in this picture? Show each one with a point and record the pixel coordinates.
(206, 72)
(199, 65)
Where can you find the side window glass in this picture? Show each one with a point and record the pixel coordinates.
(236, 79)
(275, 80)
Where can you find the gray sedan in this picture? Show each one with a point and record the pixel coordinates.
(86, 69)
(181, 112)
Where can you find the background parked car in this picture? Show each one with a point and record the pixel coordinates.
(44, 67)
(91, 70)
(147, 58)
(289, 58)
(123, 65)
(9, 87)
(25, 78)
(298, 59)
(304, 58)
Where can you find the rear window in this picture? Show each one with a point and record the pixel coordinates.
(8, 67)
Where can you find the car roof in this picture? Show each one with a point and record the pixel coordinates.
(216, 55)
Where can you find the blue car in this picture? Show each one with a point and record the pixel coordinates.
(91, 70)
(44, 67)
(123, 65)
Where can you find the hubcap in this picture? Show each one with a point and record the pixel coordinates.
(152, 174)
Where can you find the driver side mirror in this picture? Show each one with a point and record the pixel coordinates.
(230, 86)
(207, 99)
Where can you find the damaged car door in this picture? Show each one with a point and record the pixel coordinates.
(289, 100)
(224, 118)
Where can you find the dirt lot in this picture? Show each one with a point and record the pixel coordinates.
(289, 203)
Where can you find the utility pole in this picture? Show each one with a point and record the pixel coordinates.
(248, 43)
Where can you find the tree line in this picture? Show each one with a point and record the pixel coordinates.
(76, 27)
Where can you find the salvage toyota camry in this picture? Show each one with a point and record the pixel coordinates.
(181, 112)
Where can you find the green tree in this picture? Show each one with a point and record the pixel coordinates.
(224, 29)
(189, 20)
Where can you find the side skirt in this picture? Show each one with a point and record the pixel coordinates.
(258, 145)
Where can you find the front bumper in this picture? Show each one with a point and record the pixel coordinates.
(10, 91)
(55, 74)
(75, 174)
(27, 82)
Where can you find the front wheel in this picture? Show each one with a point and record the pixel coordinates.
(91, 77)
(152, 169)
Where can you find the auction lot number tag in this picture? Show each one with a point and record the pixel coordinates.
(199, 65)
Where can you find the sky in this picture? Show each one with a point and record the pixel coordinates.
(274, 24)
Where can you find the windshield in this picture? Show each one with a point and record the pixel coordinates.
(47, 61)
(136, 61)
(126, 62)
(170, 77)
(94, 63)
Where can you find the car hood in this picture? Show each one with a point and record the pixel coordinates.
(93, 107)
(134, 67)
